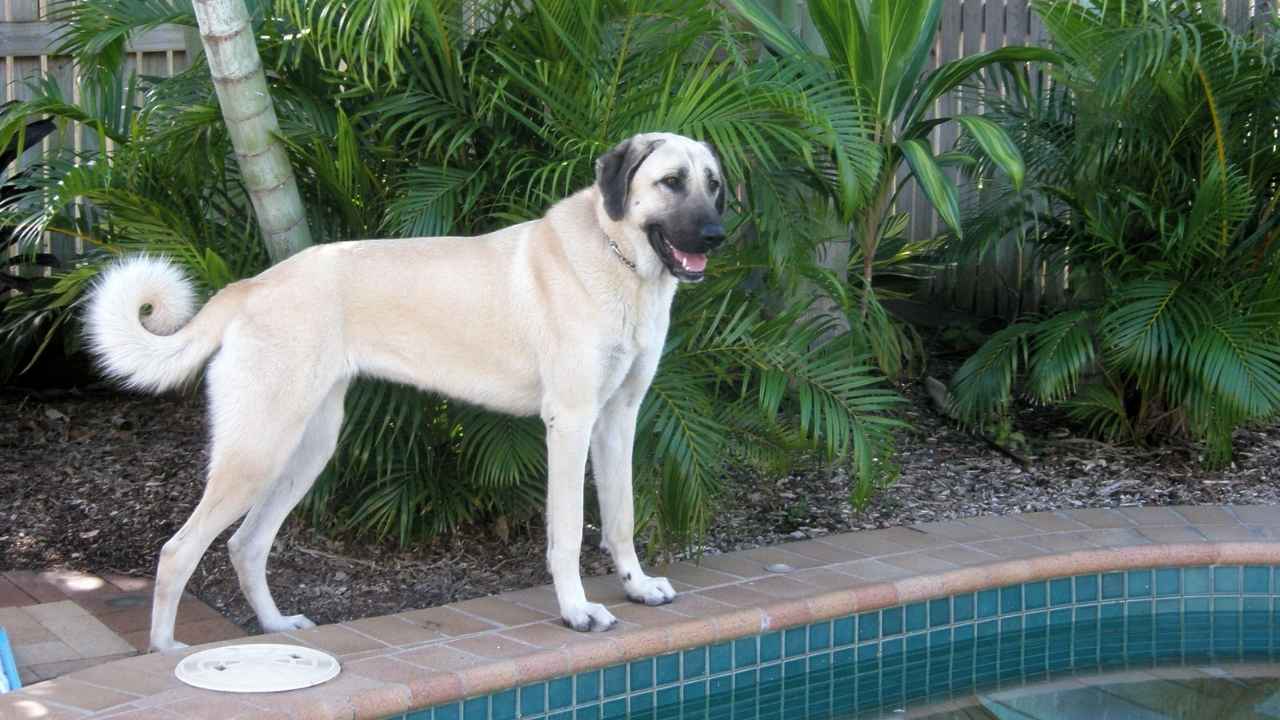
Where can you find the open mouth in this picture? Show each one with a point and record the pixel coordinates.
(686, 266)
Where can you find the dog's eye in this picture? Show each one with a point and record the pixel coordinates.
(714, 185)
(673, 182)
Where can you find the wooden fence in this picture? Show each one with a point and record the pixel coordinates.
(1008, 282)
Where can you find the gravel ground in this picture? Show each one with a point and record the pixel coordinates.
(97, 482)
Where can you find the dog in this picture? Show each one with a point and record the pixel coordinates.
(563, 317)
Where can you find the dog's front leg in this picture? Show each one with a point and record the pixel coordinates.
(612, 443)
(568, 435)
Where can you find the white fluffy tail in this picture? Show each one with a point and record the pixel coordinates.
(163, 348)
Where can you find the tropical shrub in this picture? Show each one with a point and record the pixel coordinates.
(1153, 174)
(871, 77)
(441, 117)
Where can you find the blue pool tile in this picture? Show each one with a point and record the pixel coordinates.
(819, 636)
(938, 638)
(916, 616)
(641, 674)
(1226, 605)
(668, 697)
(1111, 611)
(1060, 617)
(503, 705)
(794, 668)
(891, 621)
(1035, 595)
(867, 651)
(1257, 580)
(1011, 624)
(588, 712)
(1112, 585)
(475, 709)
(896, 646)
(614, 709)
(917, 642)
(1060, 591)
(962, 607)
(1168, 606)
(1226, 579)
(868, 626)
(1086, 613)
(560, 693)
(1139, 583)
(695, 663)
(533, 699)
(744, 652)
(642, 702)
(1196, 605)
(721, 658)
(793, 642)
(939, 612)
(1139, 608)
(419, 715)
(1168, 581)
(668, 668)
(1010, 599)
(452, 711)
(770, 646)
(1196, 581)
(694, 690)
(1037, 620)
(988, 603)
(615, 680)
(587, 687)
(770, 673)
(566, 715)
(842, 630)
(963, 632)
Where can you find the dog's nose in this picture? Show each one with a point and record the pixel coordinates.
(712, 235)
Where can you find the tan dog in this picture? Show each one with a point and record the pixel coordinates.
(564, 317)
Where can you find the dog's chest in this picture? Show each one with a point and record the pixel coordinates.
(641, 328)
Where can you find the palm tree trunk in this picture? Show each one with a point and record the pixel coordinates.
(226, 32)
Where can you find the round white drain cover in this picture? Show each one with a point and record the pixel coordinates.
(257, 668)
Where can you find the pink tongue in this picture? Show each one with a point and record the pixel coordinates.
(690, 261)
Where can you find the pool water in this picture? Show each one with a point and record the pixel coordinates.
(1147, 667)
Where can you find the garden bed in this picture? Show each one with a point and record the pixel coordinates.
(97, 481)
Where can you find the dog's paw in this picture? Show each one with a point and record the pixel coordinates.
(650, 591)
(589, 617)
(292, 622)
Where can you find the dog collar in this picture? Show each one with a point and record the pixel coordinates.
(618, 251)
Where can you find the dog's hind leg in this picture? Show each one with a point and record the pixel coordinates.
(254, 433)
(251, 543)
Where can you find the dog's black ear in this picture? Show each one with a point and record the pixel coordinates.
(616, 169)
(723, 182)
(611, 178)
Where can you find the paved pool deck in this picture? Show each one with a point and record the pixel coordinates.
(395, 664)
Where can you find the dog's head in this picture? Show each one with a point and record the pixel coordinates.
(671, 189)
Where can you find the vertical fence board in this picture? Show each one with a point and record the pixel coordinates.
(30, 34)
(1236, 14)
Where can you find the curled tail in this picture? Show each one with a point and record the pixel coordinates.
(161, 348)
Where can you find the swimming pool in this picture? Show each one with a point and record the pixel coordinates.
(965, 650)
